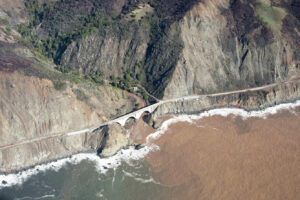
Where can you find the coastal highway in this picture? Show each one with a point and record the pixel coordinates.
(136, 114)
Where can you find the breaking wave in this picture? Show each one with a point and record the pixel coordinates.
(128, 155)
(224, 112)
(102, 165)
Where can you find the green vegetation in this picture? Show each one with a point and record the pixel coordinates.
(130, 81)
(53, 19)
(59, 85)
(24, 30)
(75, 78)
(139, 77)
(64, 69)
(156, 31)
(96, 77)
(80, 95)
(38, 11)
(4, 21)
(54, 46)
(115, 90)
(144, 95)
(8, 13)
(130, 7)
(8, 29)
(270, 15)
(152, 3)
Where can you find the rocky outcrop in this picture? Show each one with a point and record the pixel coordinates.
(14, 11)
(183, 47)
(198, 47)
(228, 47)
(113, 51)
(250, 100)
(115, 138)
(31, 107)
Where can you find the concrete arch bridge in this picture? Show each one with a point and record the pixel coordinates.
(136, 115)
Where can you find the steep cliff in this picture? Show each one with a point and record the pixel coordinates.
(72, 65)
(37, 101)
(249, 100)
(114, 51)
(231, 45)
(199, 47)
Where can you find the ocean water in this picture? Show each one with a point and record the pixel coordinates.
(84, 180)
(160, 170)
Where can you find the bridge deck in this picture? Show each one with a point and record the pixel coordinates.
(136, 114)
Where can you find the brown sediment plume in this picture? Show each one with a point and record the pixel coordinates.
(231, 158)
(140, 131)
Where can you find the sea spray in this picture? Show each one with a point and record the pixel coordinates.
(224, 112)
(104, 164)
(139, 179)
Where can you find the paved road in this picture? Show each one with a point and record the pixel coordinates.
(137, 114)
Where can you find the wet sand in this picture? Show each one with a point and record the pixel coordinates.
(230, 158)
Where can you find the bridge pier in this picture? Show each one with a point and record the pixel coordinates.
(136, 115)
(122, 122)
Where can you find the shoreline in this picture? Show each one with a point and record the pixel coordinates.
(259, 108)
(230, 156)
(285, 105)
(54, 148)
(102, 165)
(68, 156)
(47, 162)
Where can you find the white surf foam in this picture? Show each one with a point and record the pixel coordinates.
(224, 112)
(42, 197)
(102, 164)
(139, 179)
(128, 155)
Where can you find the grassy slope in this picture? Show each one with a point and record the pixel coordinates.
(272, 16)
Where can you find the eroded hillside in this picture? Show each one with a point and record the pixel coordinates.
(230, 46)
(70, 65)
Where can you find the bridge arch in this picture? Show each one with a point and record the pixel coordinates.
(123, 121)
(136, 115)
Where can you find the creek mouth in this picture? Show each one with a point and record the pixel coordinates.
(170, 158)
